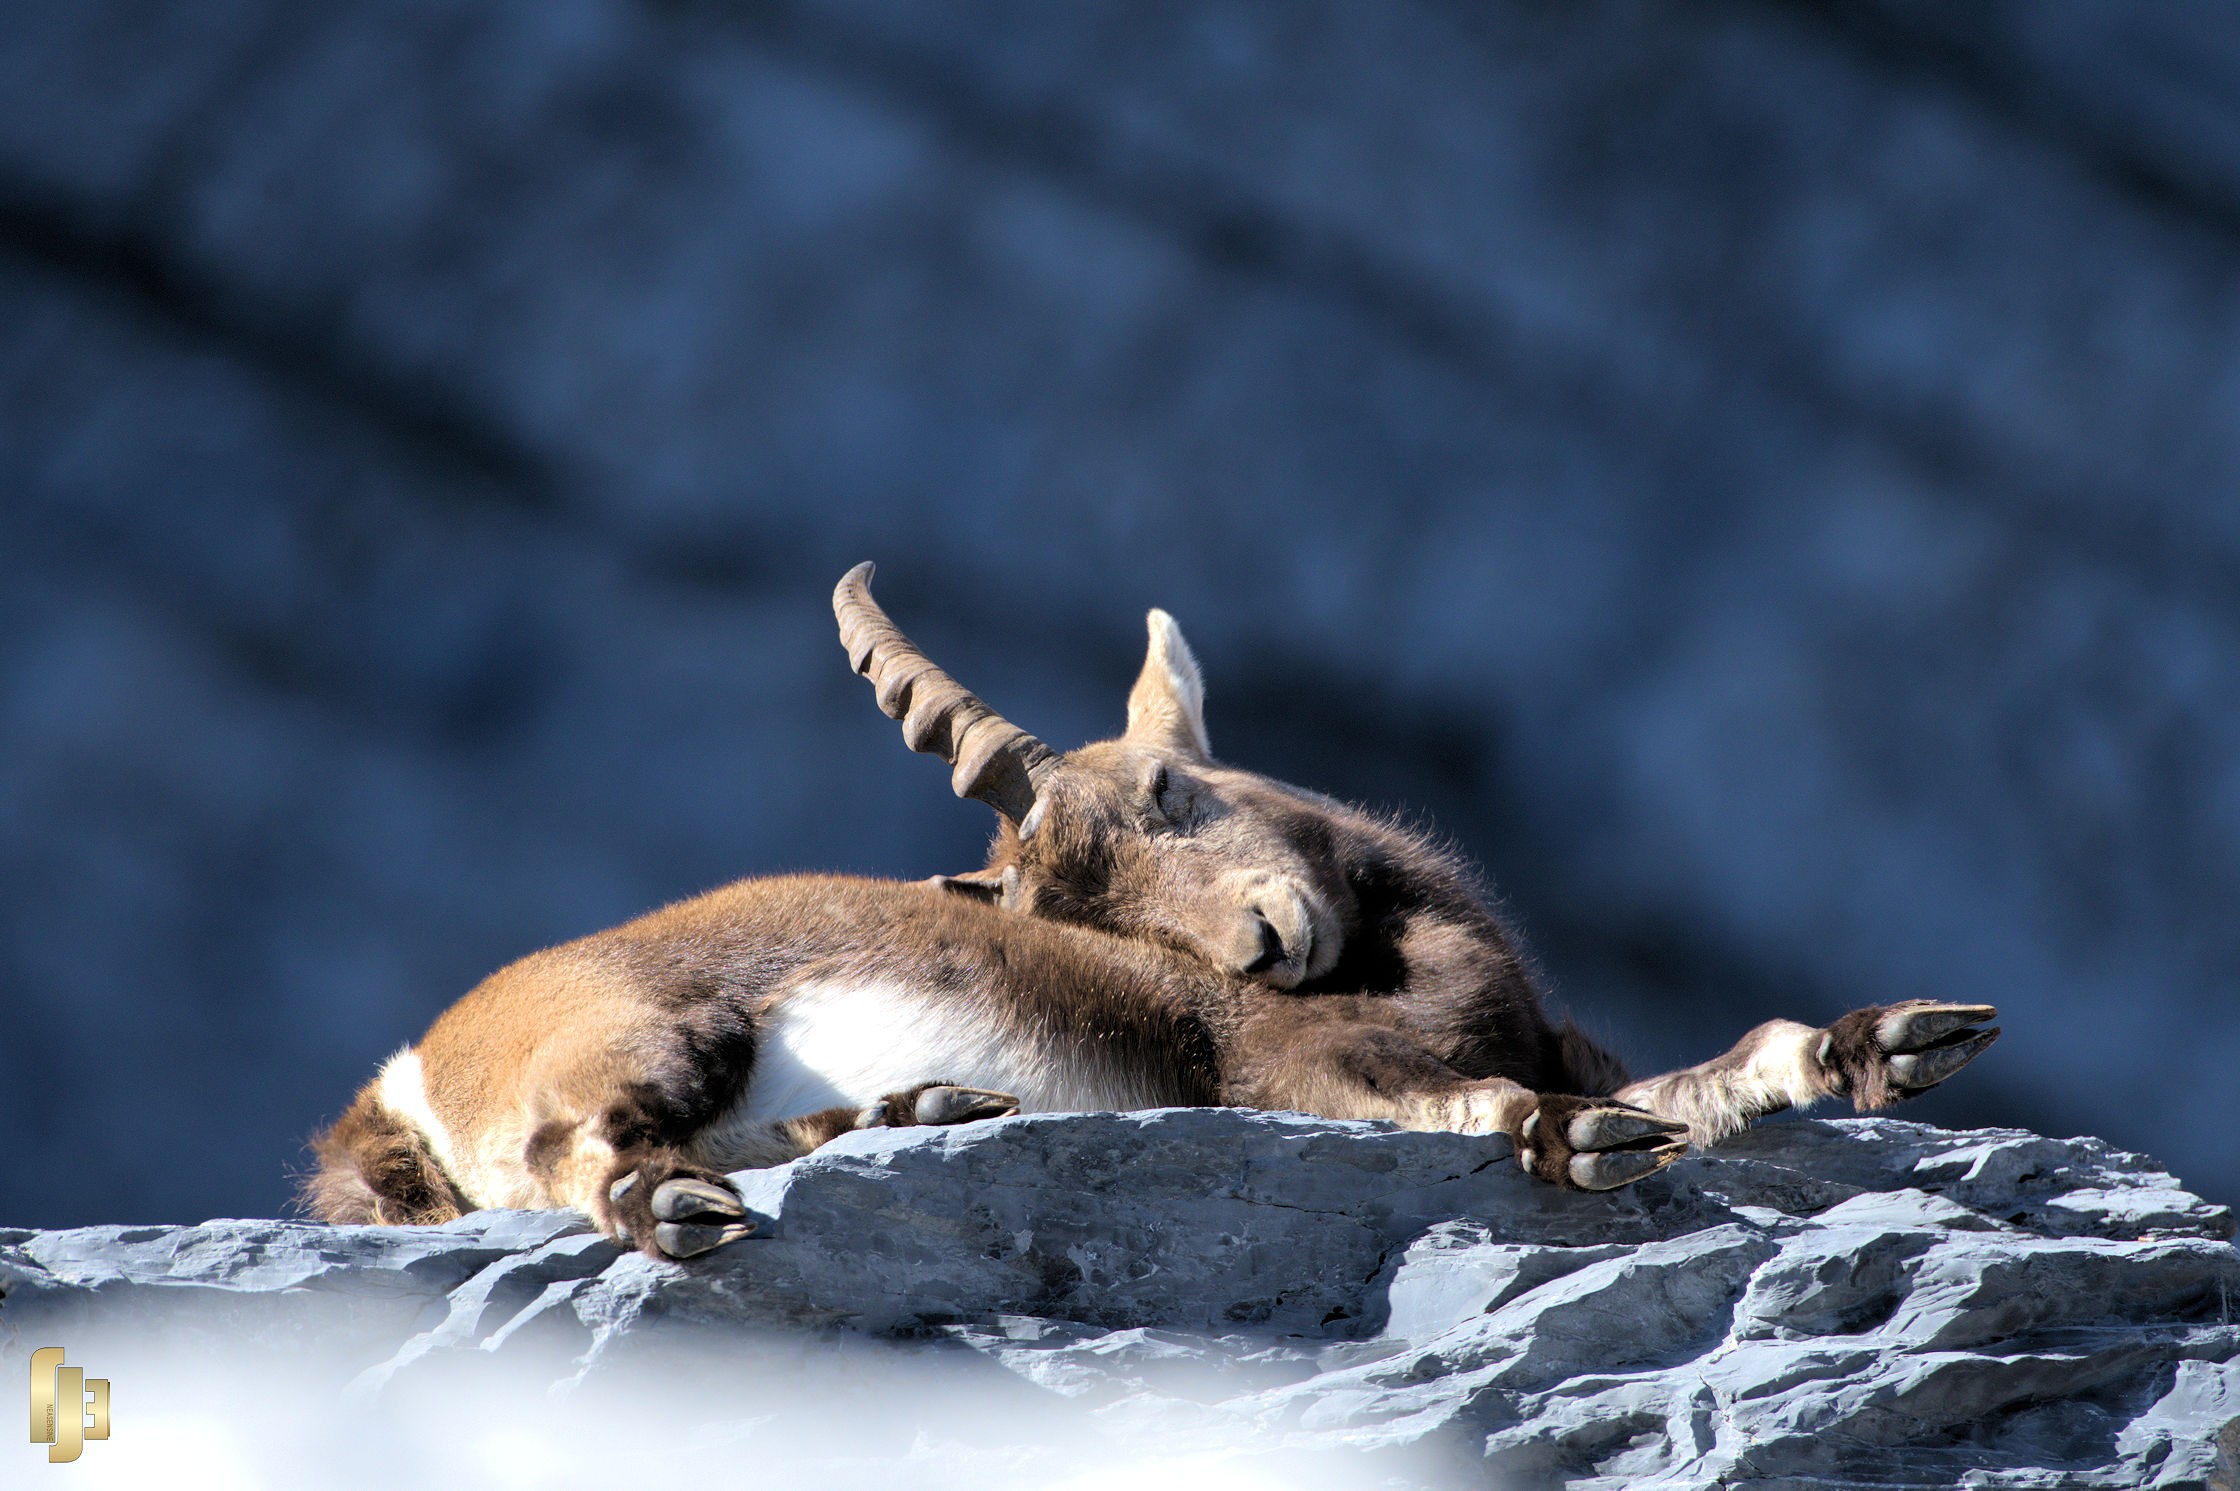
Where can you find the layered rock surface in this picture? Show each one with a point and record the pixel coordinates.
(1208, 1294)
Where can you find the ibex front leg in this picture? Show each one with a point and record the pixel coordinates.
(1873, 1056)
(676, 1203)
(1345, 1070)
(929, 1103)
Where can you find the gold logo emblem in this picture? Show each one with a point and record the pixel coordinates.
(67, 1407)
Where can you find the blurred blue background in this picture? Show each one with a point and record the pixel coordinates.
(1762, 476)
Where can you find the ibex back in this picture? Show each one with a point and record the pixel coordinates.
(1152, 929)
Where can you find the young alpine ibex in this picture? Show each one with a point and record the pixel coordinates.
(1152, 929)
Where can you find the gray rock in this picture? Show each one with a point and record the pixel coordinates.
(1219, 1293)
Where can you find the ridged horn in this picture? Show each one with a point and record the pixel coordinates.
(992, 760)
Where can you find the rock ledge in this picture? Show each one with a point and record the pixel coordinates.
(1856, 1303)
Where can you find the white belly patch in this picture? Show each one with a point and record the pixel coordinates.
(834, 1044)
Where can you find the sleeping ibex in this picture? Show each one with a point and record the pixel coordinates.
(1152, 929)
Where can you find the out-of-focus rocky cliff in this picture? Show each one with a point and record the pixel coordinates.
(1760, 475)
(1204, 1297)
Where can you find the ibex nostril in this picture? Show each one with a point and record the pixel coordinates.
(1271, 948)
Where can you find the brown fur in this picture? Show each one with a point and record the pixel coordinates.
(372, 1168)
(1424, 991)
(1150, 921)
(615, 1054)
(1414, 1002)
(1855, 1062)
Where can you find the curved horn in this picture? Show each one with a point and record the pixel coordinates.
(995, 761)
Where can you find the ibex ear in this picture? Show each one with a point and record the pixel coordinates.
(1167, 707)
(975, 885)
(994, 887)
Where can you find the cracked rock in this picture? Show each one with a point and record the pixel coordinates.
(1864, 1302)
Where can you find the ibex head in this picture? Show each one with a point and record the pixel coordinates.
(1144, 835)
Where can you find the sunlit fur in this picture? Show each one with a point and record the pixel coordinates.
(1150, 837)
(1153, 928)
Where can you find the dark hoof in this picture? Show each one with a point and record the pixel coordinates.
(1608, 1128)
(1593, 1144)
(691, 1239)
(681, 1217)
(685, 1199)
(936, 1103)
(1608, 1171)
(1916, 1027)
(1919, 1071)
(963, 1104)
(1881, 1055)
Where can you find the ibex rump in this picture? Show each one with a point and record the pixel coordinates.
(1152, 929)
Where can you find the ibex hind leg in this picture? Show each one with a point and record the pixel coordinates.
(632, 1171)
(1874, 1056)
(674, 1210)
(674, 1201)
(375, 1167)
(1587, 1068)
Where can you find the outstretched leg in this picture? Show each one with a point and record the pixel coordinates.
(927, 1103)
(676, 1203)
(1873, 1056)
(1352, 1070)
